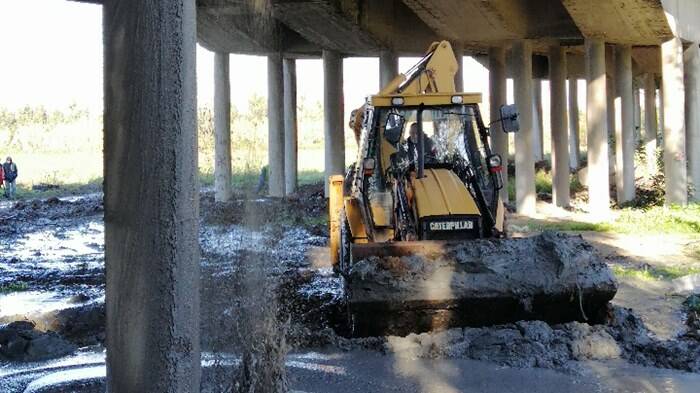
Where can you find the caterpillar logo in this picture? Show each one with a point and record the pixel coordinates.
(451, 225)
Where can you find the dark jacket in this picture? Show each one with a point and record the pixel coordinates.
(10, 171)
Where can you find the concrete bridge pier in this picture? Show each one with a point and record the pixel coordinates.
(275, 118)
(650, 122)
(334, 129)
(538, 122)
(458, 49)
(388, 67)
(611, 96)
(290, 126)
(151, 196)
(574, 137)
(524, 158)
(558, 121)
(222, 128)
(624, 132)
(674, 122)
(692, 112)
(597, 125)
(497, 97)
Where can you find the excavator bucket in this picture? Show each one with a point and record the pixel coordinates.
(403, 287)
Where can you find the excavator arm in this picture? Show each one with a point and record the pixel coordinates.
(434, 73)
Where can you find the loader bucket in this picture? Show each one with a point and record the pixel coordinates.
(404, 287)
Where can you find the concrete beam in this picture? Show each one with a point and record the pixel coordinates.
(327, 24)
(624, 132)
(638, 22)
(574, 131)
(496, 20)
(240, 27)
(674, 122)
(223, 189)
(497, 98)
(334, 130)
(558, 121)
(683, 17)
(525, 198)
(290, 126)
(596, 120)
(151, 196)
(692, 119)
(275, 119)
(650, 122)
(388, 67)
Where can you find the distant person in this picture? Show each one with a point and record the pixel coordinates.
(10, 177)
(2, 176)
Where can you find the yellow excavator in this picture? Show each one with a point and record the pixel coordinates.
(417, 226)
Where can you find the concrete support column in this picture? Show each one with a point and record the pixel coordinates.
(334, 131)
(222, 128)
(650, 122)
(538, 122)
(524, 155)
(624, 131)
(151, 196)
(290, 126)
(275, 125)
(637, 113)
(692, 120)
(611, 95)
(388, 68)
(458, 49)
(674, 122)
(497, 98)
(574, 137)
(558, 121)
(597, 119)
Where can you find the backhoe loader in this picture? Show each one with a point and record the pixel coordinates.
(417, 227)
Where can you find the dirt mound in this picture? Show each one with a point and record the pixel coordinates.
(21, 341)
(552, 277)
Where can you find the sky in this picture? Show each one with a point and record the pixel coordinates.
(52, 56)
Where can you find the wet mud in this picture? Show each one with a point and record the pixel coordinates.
(52, 273)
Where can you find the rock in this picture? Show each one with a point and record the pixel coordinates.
(686, 285)
(21, 341)
(596, 345)
(79, 298)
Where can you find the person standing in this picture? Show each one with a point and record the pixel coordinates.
(10, 171)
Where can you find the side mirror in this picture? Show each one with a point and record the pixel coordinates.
(393, 128)
(510, 118)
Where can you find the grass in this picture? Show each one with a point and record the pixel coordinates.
(657, 219)
(19, 286)
(655, 273)
(248, 180)
(543, 184)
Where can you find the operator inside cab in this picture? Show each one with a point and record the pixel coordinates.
(411, 144)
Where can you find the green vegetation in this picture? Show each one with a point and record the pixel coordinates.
(543, 184)
(657, 219)
(14, 287)
(64, 147)
(655, 272)
(692, 303)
